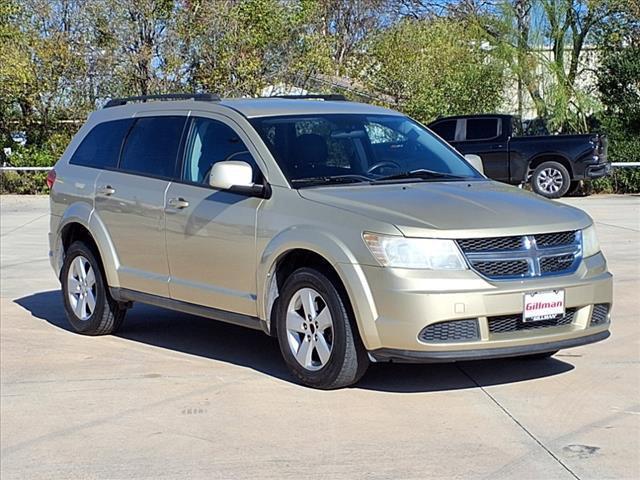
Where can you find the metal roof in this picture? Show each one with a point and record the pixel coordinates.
(249, 107)
(268, 107)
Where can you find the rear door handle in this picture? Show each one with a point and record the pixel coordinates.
(106, 190)
(178, 203)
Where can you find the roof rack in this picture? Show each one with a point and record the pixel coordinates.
(336, 97)
(200, 97)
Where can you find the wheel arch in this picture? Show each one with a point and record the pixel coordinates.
(80, 223)
(538, 160)
(329, 256)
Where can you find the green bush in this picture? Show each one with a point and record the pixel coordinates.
(32, 182)
(622, 180)
(24, 183)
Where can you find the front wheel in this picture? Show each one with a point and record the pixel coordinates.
(551, 180)
(318, 339)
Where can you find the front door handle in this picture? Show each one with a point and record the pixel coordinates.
(178, 203)
(106, 190)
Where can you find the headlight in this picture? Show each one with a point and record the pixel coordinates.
(428, 253)
(590, 245)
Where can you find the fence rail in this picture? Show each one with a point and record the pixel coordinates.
(46, 169)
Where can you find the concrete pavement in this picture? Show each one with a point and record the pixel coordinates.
(176, 396)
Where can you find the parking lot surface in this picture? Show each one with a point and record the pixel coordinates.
(176, 396)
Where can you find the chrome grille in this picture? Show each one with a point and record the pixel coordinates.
(514, 323)
(600, 314)
(509, 258)
(451, 331)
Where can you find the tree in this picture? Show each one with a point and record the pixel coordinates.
(619, 87)
(42, 64)
(436, 67)
(239, 47)
(346, 25)
(545, 44)
(15, 70)
(132, 40)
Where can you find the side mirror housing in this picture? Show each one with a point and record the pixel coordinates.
(475, 161)
(237, 177)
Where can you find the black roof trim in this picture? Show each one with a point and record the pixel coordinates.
(335, 97)
(200, 97)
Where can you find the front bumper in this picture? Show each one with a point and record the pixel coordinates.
(408, 356)
(402, 302)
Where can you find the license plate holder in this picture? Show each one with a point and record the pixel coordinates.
(543, 306)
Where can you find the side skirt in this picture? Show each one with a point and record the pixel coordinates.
(125, 295)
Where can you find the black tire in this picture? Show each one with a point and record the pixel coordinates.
(348, 360)
(574, 189)
(108, 315)
(555, 189)
(538, 356)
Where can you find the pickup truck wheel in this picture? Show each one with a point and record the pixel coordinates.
(89, 307)
(317, 337)
(551, 180)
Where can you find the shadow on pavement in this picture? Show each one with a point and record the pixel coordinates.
(253, 349)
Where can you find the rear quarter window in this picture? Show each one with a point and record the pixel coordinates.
(101, 147)
(482, 128)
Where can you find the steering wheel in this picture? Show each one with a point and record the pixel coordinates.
(378, 165)
(230, 157)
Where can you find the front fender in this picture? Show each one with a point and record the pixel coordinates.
(343, 260)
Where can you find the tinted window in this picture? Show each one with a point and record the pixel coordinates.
(101, 147)
(446, 130)
(482, 128)
(209, 142)
(152, 146)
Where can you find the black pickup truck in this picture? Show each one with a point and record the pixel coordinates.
(553, 164)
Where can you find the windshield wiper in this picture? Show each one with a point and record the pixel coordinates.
(329, 180)
(421, 173)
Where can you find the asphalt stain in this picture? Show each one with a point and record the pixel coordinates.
(581, 451)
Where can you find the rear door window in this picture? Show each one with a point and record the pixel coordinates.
(152, 146)
(482, 128)
(101, 147)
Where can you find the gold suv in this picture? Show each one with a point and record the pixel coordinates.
(350, 232)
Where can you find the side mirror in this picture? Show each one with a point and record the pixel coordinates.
(475, 161)
(235, 176)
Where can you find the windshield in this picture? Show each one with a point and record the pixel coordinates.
(354, 148)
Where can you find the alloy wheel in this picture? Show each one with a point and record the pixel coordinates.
(309, 329)
(81, 288)
(550, 180)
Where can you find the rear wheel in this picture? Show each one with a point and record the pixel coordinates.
(551, 180)
(89, 307)
(318, 339)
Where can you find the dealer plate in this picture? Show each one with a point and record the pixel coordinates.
(540, 306)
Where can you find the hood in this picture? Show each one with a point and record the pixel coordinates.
(453, 209)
